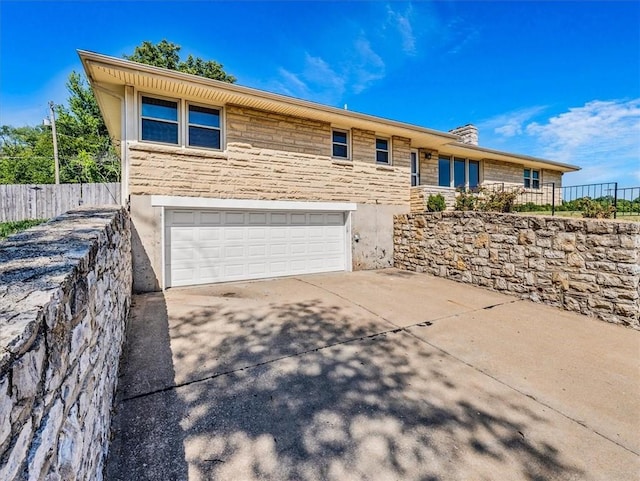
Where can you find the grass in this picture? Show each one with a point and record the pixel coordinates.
(9, 228)
(577, 213)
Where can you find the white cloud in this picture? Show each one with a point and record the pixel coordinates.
(602, 137)
(402, 23)
(598, 127)
(366, 67)
(327, 82)
(510, 124)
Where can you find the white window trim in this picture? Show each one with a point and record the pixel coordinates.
(187, 124)
(348, 144)
(417, 174)
(178, 122)
(183, 121)
(388, 150)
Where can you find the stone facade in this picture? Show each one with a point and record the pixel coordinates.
(269, 130)
(65, 295)
(583, 265)
(245, 172)
(420, 195)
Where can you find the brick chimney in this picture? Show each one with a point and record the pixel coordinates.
(468, 134)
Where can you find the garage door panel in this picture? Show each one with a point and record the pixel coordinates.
(232, 252)
(234, 234)
(183, 218)
(257, 251)
(298, 249)
(257, 218)
(210, 218)
(278, 218)
(257, 233)
(235, 245)
(234, 270)
(183, 234)
(258, 269)
(298, 219)
(335, 219)
(209, 233)
(234, 218)
(211, 253)
(277, 250)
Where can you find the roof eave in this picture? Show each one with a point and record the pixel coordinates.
(89, 58)
(477, 151)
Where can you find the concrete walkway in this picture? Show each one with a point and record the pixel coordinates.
(377, 375)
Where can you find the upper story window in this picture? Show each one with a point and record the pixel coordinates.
(203, 127)
(159, 119)
(340, 141)
(382, 151)
(531, 179)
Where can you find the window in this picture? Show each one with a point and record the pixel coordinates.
(340, 144)
(382, 151)
(159, 120)
(458, 172)
(204, 127)
(444, 171)
(415, 169)
(531, 179)
(474, 174)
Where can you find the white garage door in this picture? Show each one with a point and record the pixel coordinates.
(204, 246)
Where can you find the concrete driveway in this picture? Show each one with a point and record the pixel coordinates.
(377, 375)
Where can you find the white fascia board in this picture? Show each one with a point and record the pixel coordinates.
(245, 204)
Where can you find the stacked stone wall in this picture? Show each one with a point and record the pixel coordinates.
(584, 265)
(65, 292)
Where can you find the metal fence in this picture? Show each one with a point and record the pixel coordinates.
(549, 198)
(44, 201)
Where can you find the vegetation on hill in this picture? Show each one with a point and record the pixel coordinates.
(85, 150)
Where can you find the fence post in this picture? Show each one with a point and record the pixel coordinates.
(615, 200)
(553, 198)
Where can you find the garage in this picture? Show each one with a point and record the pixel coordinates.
(204, 246)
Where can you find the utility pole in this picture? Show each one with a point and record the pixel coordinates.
(52, 116)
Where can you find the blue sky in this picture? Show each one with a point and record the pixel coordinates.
(558, 80)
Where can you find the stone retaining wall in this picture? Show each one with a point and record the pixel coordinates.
(65, 292)
(584, 265)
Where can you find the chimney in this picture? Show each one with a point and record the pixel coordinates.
(468, 134)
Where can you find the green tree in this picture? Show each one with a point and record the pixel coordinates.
(167, 55)
(26, 155)
(85, 150)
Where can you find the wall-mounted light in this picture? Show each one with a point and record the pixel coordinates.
(427, 155)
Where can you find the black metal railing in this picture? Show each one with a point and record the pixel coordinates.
(548, 198)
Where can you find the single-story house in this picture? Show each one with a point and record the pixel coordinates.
(226, 182)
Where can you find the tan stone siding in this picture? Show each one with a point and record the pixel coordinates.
(243, 172)
(267, 130)
(363, 145)
(581, 265)
(428, 167)
(401, 153)
(416, 200)
(495, 171)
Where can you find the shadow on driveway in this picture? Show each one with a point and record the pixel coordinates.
(235, 383)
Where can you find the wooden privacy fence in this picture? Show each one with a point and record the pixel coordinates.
(44, 201)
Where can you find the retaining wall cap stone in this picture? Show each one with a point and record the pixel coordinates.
(36, 263)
